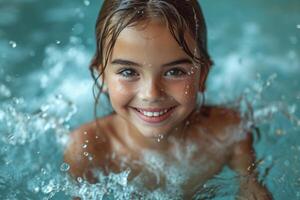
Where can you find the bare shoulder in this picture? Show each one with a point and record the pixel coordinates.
(218, 119)
(87, 147)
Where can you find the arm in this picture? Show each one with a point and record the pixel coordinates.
(243, 162)
(80, 165)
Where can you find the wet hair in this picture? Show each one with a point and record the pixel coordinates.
(180, 16)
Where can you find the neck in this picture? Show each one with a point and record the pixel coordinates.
(136, 141)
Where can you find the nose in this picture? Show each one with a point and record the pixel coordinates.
(152, 91)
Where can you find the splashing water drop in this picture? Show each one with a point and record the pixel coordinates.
(13, 44)
(79, 179)
(43, 171)
(64, 167)
(47, 189)
(86, 2)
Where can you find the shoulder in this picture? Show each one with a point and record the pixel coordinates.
(221, 124)
(88, 147)
(218, 118)
(228, 126)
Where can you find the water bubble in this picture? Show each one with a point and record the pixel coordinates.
(79, 179)
(13, 44)
(4, 91)
(298, 26)
(57, 42)
(47, 189)
(64, 167)
(86, 2)
(36, 189)
(43, 171)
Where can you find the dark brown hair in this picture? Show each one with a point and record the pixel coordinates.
(179, 15)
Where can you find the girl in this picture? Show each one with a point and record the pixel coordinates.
(152, 57)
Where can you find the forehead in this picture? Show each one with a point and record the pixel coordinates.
(149, 42)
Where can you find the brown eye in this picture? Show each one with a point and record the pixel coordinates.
(128, 73)
(175, 72)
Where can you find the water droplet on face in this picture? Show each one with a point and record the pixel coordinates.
(84, 146)
(84, 132)
(86, 154)
(13, 44)
(86, 141)
(64, 167)
(159, 137)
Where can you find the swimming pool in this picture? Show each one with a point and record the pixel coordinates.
(45, 91)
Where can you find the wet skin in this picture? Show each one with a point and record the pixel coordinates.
(153, 84)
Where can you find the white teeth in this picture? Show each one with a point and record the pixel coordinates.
(153, 114)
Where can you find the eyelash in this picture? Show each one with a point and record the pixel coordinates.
(131, 73)
(176, 70)
(123, 72)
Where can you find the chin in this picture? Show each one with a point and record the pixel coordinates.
(153, 134)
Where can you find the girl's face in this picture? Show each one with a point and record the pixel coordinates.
(152, 83)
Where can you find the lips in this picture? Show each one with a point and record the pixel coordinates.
(154, 115)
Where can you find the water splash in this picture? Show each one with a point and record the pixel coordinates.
(13, 44)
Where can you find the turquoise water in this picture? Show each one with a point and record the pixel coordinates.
(46, 91)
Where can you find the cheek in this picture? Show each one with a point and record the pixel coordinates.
(120, 93)
(184, 91)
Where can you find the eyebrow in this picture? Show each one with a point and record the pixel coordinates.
(131, 63)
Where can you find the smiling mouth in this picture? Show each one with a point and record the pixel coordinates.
(154, 115)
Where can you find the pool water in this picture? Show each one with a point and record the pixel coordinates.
(46, 91)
